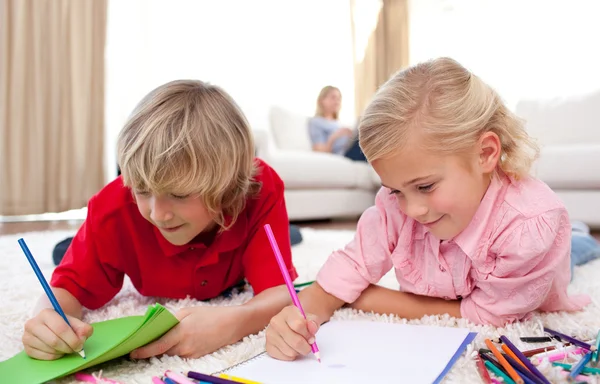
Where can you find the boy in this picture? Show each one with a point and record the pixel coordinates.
(185, 218)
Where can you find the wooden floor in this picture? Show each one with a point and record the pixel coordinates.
(33, 226)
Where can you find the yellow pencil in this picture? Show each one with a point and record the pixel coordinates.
(238, 379)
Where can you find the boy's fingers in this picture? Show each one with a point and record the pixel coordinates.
(59, 326)
(53, 340)
(41, 355)
(158, 347)
(82, 330)
(33, 342)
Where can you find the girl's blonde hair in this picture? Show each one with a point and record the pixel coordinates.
(450, 108)
(187, 137)
(324, 92)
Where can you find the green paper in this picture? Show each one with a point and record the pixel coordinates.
(111, 339)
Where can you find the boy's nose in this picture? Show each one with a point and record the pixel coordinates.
(160, 212)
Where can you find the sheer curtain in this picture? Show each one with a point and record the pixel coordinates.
(263, 52)
(524, 48)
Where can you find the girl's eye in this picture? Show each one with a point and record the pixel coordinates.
(394, 192)
(426, 188)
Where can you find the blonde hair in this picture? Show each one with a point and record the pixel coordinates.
(188, 137)
(450, 108)
(324, 92)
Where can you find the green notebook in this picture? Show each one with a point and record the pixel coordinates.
(111, 339)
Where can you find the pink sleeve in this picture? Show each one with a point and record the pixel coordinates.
(364, 261)
(531, 263)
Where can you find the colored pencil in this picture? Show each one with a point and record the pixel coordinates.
(596, 356)
(539, 339)
(570, 339)
(237, 379)
(499, 373)
(525, 374)
(45, 285)
(178, 377)
(167, 380)
(576, 370)
(537, 351)
(556, 356)
(288, 281)
(208, 378)
(509, 369)
(157, 380)
(510, 353)
(492, 360)
(523, 360)
(585, 370)
(485, 376)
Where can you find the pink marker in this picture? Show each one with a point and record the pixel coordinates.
(87, 378)
(288, 282)
(157, 380)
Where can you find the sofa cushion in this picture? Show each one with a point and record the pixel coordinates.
(290, 130)
(316, 170)
(560, 121)
(570, 166)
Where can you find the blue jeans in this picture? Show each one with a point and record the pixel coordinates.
(584, 247)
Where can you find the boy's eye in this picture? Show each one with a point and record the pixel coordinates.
(179, 197)
(142, 193)
(426, 188)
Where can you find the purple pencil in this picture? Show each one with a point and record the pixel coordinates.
(523, 359)
(570, 339)
(208, 378)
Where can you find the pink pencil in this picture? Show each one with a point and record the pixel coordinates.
(178, 377)
(157, 380)
(288, 282)
(557, 356)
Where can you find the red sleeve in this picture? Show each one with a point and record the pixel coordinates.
(83, 271)
(260, 266)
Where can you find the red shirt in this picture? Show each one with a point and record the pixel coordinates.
(115, 240)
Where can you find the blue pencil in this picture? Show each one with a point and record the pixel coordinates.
(45, 285)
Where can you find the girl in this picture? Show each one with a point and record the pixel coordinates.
(326, 132)
(467, 230)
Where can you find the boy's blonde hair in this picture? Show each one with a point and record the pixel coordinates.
(324, 92)
(188, 137)
(450, 108)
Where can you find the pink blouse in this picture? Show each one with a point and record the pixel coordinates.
(512, 259)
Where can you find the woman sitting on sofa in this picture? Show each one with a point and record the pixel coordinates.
(326, 132)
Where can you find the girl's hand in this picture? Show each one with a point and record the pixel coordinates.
(290, 335)
(201, 330)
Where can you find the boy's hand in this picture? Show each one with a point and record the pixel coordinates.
(290, 335)
(47, 336)
(201, 330)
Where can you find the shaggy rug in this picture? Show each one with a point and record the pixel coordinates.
(20, 290)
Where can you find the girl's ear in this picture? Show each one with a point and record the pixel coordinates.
(490, 149)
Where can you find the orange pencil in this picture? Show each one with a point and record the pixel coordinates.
(512, 354)
(509, 369)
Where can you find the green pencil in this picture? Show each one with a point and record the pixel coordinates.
(499, 373)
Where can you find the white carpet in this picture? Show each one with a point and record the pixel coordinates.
(20, 289)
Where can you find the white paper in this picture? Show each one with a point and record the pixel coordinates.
(364, 352)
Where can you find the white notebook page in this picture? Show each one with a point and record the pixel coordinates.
(364, 352)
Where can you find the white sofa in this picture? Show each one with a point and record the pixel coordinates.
(568, 131)
(317, 185)
(320, 185)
